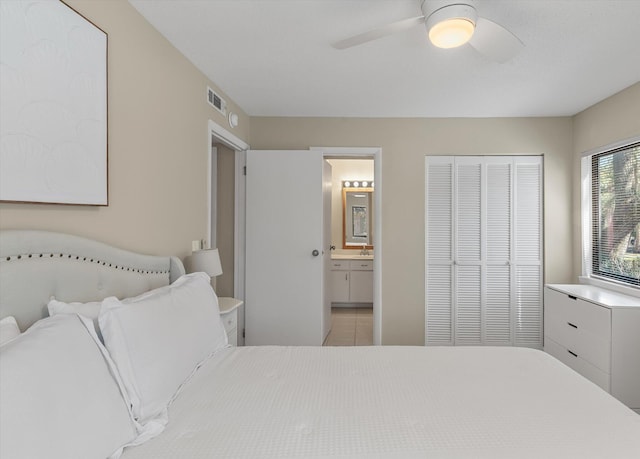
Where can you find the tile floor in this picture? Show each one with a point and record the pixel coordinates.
(351, 327)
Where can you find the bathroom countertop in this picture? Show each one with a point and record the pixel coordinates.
(349, 256)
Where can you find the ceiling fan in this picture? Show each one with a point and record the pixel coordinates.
(450, 26)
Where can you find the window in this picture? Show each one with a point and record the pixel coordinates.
(615, 214)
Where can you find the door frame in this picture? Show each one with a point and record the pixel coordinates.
(212, 196)
(376, 154)
(217, 134)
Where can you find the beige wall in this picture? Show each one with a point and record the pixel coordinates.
(158, 144)
(404, 143)
(612, 120)
(225, 219)
(158, 148)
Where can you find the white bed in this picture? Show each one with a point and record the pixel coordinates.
(397, 402)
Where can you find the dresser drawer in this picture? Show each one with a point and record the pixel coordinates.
(339, 265)
(230, 321)
(573, 323)
(586, 369)
(586, 316)
(361, 265)
(586, 346)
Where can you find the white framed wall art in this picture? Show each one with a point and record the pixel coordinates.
(53, 115)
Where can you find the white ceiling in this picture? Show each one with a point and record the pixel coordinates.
(273, 57)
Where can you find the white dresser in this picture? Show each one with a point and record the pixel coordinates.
(597, 333)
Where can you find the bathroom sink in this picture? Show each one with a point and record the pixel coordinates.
(348, 256)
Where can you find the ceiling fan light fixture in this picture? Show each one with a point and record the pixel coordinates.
(451, 26)
(451, 33)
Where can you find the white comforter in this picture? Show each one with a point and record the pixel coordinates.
(397, 402)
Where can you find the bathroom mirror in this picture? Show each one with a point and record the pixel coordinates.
(357, 218)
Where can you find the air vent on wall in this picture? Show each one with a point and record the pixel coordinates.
(216, 101)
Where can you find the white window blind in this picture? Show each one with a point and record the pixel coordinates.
(615, 219)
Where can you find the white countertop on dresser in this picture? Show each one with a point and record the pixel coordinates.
(599, 295)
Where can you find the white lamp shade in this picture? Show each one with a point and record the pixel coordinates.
(206, 261)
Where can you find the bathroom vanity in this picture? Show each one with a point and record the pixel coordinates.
(351, 280)
(351, 277)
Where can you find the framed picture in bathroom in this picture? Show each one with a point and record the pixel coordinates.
(359, 221)
(356, 217)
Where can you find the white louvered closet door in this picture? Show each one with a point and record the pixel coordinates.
(439, 246)
(467, 250)
(528, 251)
(483, 251)
(498, 231)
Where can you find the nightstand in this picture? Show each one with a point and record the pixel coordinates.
(229, 314)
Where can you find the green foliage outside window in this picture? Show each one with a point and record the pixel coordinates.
(616, 214)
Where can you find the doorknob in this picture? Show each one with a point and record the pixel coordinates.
(315, 253)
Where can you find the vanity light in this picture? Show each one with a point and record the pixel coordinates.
(357, 184)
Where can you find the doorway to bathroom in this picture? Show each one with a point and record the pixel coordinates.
(284, 241)
(351, 278)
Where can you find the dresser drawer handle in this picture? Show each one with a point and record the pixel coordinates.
(572, 297)
(572, 325)
(572, 353)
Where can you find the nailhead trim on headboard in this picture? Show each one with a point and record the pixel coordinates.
(90, 260)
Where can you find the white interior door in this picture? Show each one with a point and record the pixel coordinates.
(284, 292)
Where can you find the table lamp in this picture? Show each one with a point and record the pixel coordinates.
(206, 261)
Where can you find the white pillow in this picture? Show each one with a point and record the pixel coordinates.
(158, 339)
(60, 397)
(89, 310)
(8, 329)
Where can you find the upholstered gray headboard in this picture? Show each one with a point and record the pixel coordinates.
(38, 265)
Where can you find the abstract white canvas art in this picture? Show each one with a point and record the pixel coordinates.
(53, 110)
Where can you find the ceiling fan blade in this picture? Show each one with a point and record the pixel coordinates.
(380, 32)
(494, 41)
